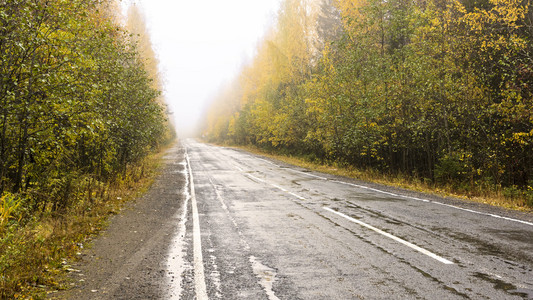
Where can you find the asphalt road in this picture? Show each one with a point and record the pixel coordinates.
(221, 223)
(259, 229)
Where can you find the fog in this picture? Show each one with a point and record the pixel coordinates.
(200, 46)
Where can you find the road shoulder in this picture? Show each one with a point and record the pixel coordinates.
(128, 260)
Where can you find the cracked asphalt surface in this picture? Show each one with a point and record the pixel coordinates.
(241, 226)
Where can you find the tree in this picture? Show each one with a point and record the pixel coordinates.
(66, 68)
(433, 89)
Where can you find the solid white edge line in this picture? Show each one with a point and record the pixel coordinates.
(399, 240)
(406, 197)
(199, 277)
(404, 242)
(177, 252)
(435, 202)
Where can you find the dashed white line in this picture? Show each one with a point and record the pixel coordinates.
(403, 196)
(399, 240)
(219, 197)
(199, 277)
(297, 196)
(368, 188)
(238, 168)
(244, 244)
(255, 178)
(276, 186)
(279, 187)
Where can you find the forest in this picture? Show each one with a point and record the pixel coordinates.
(77, 102)
(436, 90)
(80, 108)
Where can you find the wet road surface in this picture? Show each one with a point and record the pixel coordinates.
(253, 228)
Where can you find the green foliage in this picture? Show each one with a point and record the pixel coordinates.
(76, 99)
(77, 109)
(515, 192)
(452, 168)
(438, 90)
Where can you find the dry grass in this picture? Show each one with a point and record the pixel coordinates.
(491, 195)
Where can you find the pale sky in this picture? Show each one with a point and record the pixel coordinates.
(201, 44)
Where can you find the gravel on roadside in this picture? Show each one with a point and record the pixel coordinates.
(128, 260)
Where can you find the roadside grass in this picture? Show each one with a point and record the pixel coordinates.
(34, 254)
(509, 198)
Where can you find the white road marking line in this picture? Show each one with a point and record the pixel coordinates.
(399, 240)
(238, 168)
(245, 245)
(435, 202)
(309, 174)
(297, 196)
(199, 277)
(278, 187)
(215, 276)
(175, 257)
(404, 242)
(366, 188)
(407, 197)
(219, 197)
(255, 178)
(482, 213)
